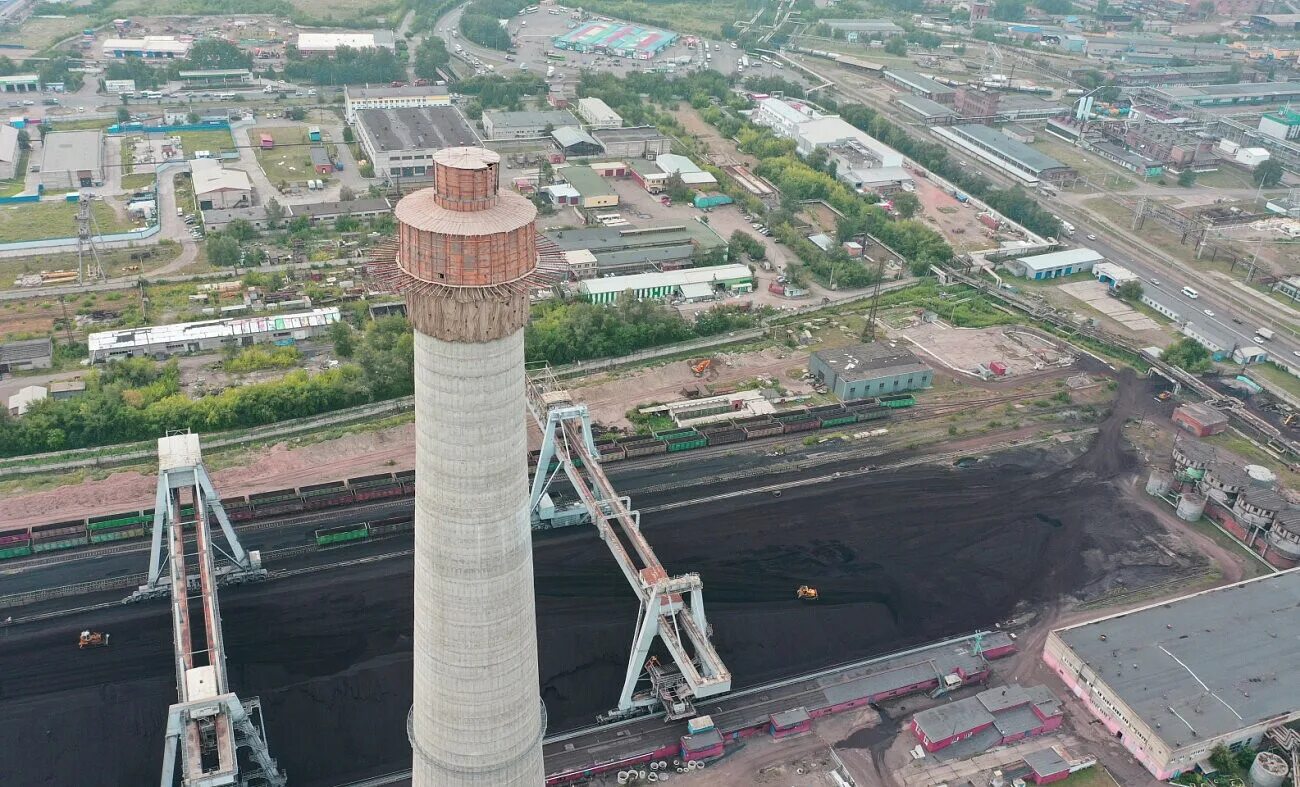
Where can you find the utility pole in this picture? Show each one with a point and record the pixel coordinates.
(869, 334)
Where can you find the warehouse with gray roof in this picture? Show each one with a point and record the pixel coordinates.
(72, 159)
(401, 142)
(1173, 680)
(1005, 153)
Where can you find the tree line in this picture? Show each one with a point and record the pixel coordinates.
(346, 67)
(480, 22)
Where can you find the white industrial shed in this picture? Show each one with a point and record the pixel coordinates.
(1055, 264)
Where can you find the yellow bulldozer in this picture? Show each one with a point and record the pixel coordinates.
(807, 593)
(92, 639)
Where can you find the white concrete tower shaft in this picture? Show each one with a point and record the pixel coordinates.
(468, 252)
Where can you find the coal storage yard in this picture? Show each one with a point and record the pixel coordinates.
(899, 558)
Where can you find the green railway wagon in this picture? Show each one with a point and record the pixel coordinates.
(338, 535)
(103, 536)
(898, 400)
(698, 441)
(19, 551)
(839, 421)
(59, 543)
(675, 434)
(121, 520)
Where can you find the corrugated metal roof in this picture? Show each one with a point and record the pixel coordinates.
(129, 338)
(644, 281)
(1042, 262)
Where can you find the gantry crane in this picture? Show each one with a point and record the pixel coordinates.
(672, 608)
(209, 723)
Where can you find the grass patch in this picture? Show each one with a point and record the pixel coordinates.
(695, 17)
(43, 220)
(1272, 376)
(1233, 441)
(80, 124)
(138, 181)
(1253, 567)
(16, 185)
(290, 160)
(1096, 776)
(214, 141)
(1094, 168)
(36, 33)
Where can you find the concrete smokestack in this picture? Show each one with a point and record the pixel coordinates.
(467, 252)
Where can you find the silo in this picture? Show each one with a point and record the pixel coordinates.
(1158, 482)
(1268, 770)
(1261, 476)
(1190, 506)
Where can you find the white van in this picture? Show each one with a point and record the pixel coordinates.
(1190, 293)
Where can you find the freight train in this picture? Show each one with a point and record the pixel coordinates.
(22, 542)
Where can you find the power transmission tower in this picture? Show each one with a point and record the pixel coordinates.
(869, 333)
(89, 265)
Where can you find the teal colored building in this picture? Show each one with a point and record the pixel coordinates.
(864, 370)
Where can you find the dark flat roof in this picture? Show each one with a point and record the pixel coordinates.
(862, 361)
(1222, 660)
(629, 134)
(416, 128)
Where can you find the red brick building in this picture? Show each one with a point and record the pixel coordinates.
(991, 718)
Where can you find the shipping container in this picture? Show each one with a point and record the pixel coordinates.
(989, 221)
(724, 436)
(999, 368)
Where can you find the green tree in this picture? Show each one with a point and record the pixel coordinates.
(1130, 290)
(274, 212)
(344, 341)
(430, 56)
(241, 230)
(123, 114)
(907, 204)
(348, 136)
(896, 46)
(214, 54)
(1268, 174)
(346, 194)
(1187, 178)
(1009, 10)
(1186, 353)
(223, 250)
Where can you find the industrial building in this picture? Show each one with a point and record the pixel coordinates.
(811, 130)
(1243, 94)
(163, 341)
(864, 29)
(147, 48)
(411, 96)
(924, 107)
(669, 284)
(633, 142)
(573, 142)
(218, 220)
(782, 116)
(862, 370)
(499, 124)
(593, 191)
(606, 251)
(215, 77)
(616, 38)
(994, 717)
(216, 187)
(10, 151)
(1170, 145)
(1207, 74)
(26, 398)
(467, 255)
(23, 356)
(1054, 264)
(1173, 680)
(328, 43)
(20, 83)
(596, 114)
(921, 85)
(72, 159)
(1008, 155)
(402, 142)
(1200, 419)
(1283, 124)
(316, 212)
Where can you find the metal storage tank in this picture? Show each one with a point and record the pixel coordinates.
(1261, 476)
(1158, 482)
(1268, 770)
(1190, 506)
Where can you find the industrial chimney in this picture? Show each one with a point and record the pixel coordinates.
(466, 256)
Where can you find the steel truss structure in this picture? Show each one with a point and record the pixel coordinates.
(215, 738)
(672, 608)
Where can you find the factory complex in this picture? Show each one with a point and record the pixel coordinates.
(163, 341)
(1173, 680)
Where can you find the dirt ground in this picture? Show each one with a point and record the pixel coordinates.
(956, 221)
(900, 558)
(963, 349)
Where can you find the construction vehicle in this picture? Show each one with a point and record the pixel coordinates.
(92, 639)
(1164, 396)
(1291, 419)
(806, 593)
(700, 367)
